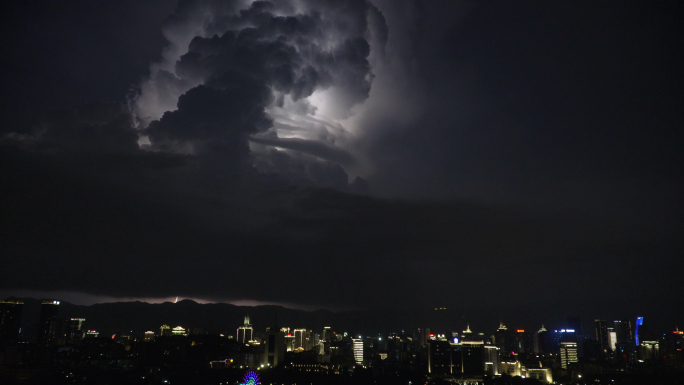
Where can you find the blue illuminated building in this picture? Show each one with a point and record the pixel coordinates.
(638, 329)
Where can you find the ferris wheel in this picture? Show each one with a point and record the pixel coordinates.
(251, 378)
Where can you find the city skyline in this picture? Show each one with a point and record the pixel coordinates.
(215, 318)
(63, 349)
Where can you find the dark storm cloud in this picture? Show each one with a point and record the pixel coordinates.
(58, 55)
(552, 145)
(97, 128)
(261, 58)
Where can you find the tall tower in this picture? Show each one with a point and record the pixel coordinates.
(245, 333)
(491, 360)
(568, 354)
(623, 331)
(602, 333)
(300, 340)
(540, 339)
(274, 349)
(612, 339)
(47, 326)
(10, 316)
(640, 330)
(357, 346)
(504, 340)
(75, 330)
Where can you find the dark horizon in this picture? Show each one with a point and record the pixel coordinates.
(140, 316)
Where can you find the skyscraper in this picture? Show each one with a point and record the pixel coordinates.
(74, 330)
(649, 350)
(504, 340)
(522, 341)
(10, 316)
(602, 333)
(623, 331)
(300, 340)
(472, 357)
(245, 333)
(274, 349)
(568, 354)
(612, 339)
(47, 325)
(439, 358)
(357, 346)
(491, 360)
(639, 330)
(540, 340)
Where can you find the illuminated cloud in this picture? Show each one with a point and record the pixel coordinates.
(293, 70)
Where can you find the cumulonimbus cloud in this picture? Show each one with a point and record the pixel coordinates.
(239, 66)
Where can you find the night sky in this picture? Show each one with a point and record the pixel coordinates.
(346, 154)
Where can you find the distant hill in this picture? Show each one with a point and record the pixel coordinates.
(225, 318)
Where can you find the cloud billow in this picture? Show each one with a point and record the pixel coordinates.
(254, 60)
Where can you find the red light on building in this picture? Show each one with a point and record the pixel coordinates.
(432, 335)
(520, 330)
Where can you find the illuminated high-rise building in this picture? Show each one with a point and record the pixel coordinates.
(289, 342)
(649, 350)
(568, 354)
(522, 341)
(467, 334)
(639, 330)
(472, 357)
(357, 347)
(612, 339)
(10, 317)
(47, 325)
(300, 339)
(602, 333)
(74, 330)
(623, 331)
(245, 333)
(540, 340)
(504, 340)
(274, 348)
(491, 360)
